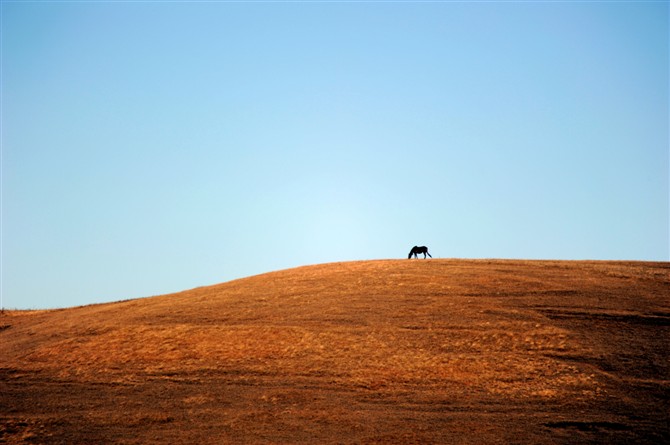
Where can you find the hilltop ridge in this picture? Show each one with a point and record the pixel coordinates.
(383, 351)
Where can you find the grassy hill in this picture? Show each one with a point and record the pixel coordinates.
(370, 352)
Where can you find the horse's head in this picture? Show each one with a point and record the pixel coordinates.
(412, 252)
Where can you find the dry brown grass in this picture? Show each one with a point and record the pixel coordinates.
(395, 351)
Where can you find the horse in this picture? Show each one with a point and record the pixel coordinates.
(416, 250)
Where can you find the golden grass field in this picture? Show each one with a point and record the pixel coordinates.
(369, 352)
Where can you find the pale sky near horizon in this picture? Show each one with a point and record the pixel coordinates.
(152, 147)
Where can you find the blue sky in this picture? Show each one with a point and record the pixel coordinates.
(153, 147)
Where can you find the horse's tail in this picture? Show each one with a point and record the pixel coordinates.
(428, 254)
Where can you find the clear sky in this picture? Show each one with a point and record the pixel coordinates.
(152, 147)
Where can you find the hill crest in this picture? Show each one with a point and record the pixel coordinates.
(423, 351)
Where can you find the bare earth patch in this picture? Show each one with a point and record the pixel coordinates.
(369, 352)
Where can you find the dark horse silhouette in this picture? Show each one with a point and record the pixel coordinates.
(416, 250)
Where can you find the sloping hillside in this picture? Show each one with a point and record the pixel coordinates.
(395, 351)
